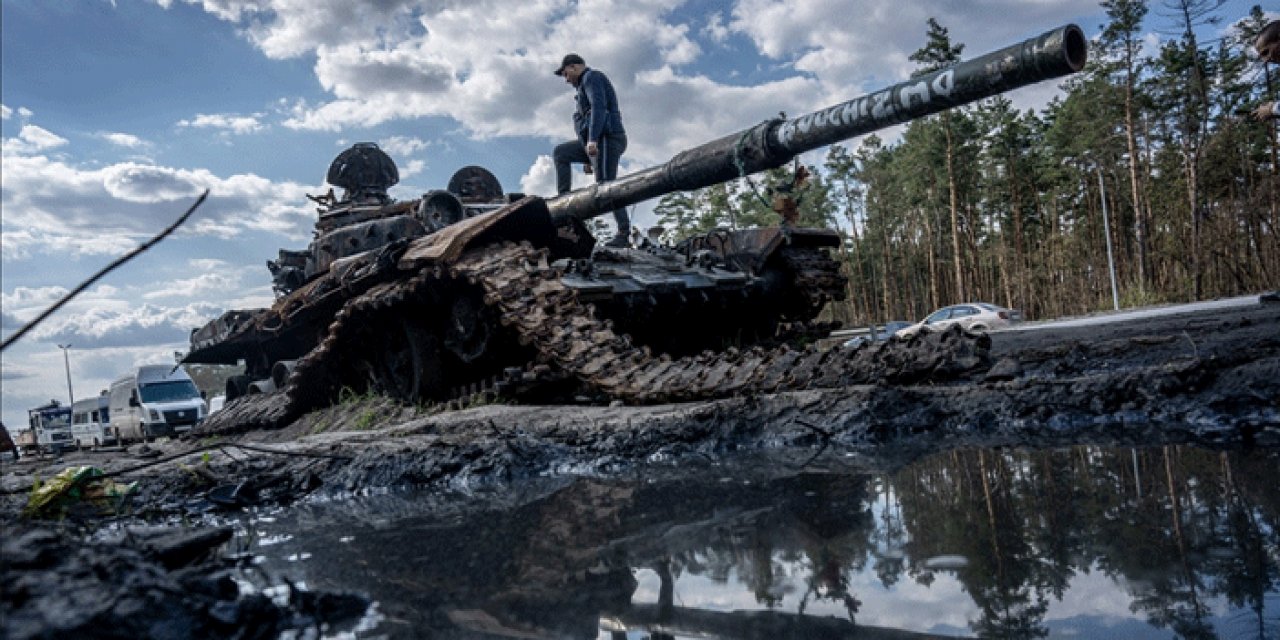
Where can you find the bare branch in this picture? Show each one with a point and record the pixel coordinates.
(108, 269)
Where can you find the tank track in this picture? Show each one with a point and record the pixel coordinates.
(571, 341)
(566, 333)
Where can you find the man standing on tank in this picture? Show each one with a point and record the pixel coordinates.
(601, 138)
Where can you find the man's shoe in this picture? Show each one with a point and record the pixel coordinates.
(619, 241)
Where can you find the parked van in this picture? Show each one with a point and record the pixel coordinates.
(154, 401)
(50, 428)
(91, 422)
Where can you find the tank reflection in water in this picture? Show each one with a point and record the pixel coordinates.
(1085, 542)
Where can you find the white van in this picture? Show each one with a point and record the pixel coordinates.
(91, 423)
(154, 401)
(50, 429)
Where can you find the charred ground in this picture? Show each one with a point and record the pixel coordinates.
(1207, 378)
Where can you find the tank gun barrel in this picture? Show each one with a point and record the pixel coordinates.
(775, 142)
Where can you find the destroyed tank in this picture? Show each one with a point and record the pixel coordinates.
(472, 290)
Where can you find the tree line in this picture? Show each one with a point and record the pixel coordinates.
(1149, 155)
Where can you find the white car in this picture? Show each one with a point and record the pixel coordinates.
(973, 316)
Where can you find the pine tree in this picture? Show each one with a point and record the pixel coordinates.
(938, 52)
(1122, 36)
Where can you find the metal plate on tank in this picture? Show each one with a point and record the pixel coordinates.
(524, 220)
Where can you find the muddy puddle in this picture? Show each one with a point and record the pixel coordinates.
(1080, 542)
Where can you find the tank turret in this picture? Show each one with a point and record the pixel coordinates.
(470, 289)
(365, 217)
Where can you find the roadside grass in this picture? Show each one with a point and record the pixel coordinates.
(364, 402)
(365, 410)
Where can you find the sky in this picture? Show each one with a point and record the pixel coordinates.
(116, 114)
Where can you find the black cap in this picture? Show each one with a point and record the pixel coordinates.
(572, 58)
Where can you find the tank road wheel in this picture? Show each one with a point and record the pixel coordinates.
(405, 363)
(237, 386)
(468, 329)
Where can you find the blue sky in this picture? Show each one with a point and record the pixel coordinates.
(116, 114)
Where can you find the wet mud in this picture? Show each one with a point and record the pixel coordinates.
(147, 583)
(1210, 379)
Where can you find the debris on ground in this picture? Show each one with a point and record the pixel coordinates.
(84, 485)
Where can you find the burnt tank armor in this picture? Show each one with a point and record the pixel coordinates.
(470, 289)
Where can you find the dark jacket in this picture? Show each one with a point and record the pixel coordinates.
(598, 113)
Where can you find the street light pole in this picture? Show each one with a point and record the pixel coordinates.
(1106, 230)
(66, 362)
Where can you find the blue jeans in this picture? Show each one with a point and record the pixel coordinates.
(611, 147)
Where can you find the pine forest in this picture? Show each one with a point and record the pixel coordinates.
(1151, 147)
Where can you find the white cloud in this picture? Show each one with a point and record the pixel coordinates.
(24, 304)
(353, 72)
(23, 244)
(132, 325)
(31, 298)
(224, 230)
(32, 139)
(486, 64)
(7, 112)
(124, 140)
(685, 119)
(228, 123)
(58, 208)
(412, 168)
(220, 281)
(149, 183)
(225, 9)
(208, 264)
(541, 177)
(481, 63)
(715, 28)
(1150, 45)
(398, 146)
(287, 28)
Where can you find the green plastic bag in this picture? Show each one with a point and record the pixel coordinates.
(72, 486)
